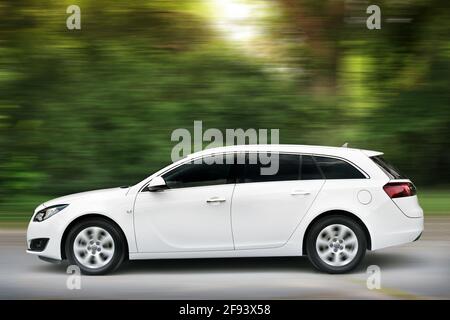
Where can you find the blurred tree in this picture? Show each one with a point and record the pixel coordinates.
(95, 107)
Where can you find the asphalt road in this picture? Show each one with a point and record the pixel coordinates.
(414, 271)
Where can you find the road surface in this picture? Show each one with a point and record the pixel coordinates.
(420, 270)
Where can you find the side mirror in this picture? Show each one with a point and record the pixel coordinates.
(157, 184)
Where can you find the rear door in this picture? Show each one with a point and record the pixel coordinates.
(266, 209)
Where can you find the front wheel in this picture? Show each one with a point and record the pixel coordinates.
(336, 244)
(95, 246)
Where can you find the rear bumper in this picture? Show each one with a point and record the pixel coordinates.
(418, 237)
(400, 231)
(395, 221)
(409, 206)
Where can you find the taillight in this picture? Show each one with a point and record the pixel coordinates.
(399, 189)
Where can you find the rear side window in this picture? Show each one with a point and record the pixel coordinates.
(333, 168)
(388, 168)
(288, 169)
(309, 170)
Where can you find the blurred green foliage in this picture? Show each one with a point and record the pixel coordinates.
(95, 108)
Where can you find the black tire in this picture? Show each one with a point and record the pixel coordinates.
(118, 255)
(314, 233)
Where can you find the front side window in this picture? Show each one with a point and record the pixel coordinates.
(333, 168)
(288, 169)
(193, 174)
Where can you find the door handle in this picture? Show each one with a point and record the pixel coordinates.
(300, 192)
(215, 199)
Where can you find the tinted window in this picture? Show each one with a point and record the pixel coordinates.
(388, 168)
(198, 174)
(309, 169)
(338, 169)
(288, 169)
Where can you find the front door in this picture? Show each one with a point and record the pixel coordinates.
(192, 214)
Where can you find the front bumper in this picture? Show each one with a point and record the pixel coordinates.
(38, 244)
(49, 229)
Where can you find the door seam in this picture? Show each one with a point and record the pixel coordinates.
(231, 216)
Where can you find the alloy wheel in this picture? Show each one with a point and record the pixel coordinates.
(337, 245)
(93, 247)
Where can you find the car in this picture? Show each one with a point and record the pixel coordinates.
(328, 203)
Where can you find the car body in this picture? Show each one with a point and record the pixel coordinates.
(241, 215)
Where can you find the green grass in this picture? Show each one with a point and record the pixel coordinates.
(17, 212)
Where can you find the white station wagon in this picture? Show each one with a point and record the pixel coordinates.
(329, 203)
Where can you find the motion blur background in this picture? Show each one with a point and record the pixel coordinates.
(95, 108)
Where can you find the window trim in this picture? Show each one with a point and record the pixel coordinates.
(236, 179)
(365, 174)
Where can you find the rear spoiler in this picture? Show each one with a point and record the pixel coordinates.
(371, 153)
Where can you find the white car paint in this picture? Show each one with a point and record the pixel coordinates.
(255, 219)
(182, 220)
(263, 215)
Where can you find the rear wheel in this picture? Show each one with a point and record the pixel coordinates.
(336, 244)
(95, 246)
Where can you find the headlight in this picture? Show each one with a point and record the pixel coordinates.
(48, 212)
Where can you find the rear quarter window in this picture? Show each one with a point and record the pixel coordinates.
(333, 168)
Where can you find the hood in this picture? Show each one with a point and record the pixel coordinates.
(98, 194)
